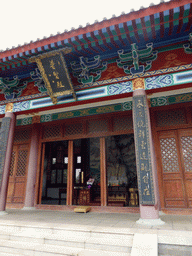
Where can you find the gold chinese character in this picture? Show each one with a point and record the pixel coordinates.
(146, 191)
(52, 64)
(59, 84)
(141, 134)
(140, 114)
(56, 75)
(139, 104)
(58, 63)
(146, 178)
(143, 144)
(140, 124)
(143, 156)
(144, 167)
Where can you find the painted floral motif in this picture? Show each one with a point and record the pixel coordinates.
(161, 101)
(127, 105)
(46, 118)
(26, 121)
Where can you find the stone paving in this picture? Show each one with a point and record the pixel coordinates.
(93, 220)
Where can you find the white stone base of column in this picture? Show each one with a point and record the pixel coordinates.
(150, 222)
(29, 208)
(3, 213)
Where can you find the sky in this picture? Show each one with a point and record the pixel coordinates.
(22, 21)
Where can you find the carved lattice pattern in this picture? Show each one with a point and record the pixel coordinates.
(171, 118)
(169, 155)
(52, 131)
(98, 126)
(73, 129)
(122, 123)
(22, 163)
(22, 135)
(186, 142)
(12, 163)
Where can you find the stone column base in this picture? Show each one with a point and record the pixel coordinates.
(150, 222)
(28, 208)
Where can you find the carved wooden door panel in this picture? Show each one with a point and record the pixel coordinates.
(172, 173)
(18, 174)
(185, 140)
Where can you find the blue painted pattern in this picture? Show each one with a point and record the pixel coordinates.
(158, 82)
(120, 88)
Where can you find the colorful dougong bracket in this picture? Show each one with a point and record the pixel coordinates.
(11, 88)
(130, 62)
(88, 71)
(188, 47)
(38, 79)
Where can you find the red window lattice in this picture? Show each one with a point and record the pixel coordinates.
(73, 129)
(169, 155)
(22, 163)
(98, 126)
(52, 131)
(22, 135)
(12, 163)
(171, 118)
(122, 123)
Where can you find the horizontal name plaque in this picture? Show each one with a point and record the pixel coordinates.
(55, 74)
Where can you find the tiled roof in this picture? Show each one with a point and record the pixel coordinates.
(163, 24)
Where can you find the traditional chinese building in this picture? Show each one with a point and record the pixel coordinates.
(101, 116)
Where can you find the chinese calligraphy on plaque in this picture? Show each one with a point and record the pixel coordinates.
(55, 74)
(144, 169)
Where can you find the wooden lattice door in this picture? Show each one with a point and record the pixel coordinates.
(176, 164)
(18, 174)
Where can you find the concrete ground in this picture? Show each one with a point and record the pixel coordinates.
(93, 220)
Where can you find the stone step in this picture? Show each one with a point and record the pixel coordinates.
(40, 232)
(10, 248)
(34, 249)
(87, 252)
(108, 243)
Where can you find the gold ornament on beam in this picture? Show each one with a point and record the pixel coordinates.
(138, 83)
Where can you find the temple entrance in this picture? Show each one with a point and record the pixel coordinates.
(88, 182)
(176, 165)
(89, 162)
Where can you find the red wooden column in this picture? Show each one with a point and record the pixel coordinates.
(7, 157)
(145, 157)
(103, 177)
(70, 174)
(32, 168)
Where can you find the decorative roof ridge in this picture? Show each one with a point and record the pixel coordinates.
(132, 15)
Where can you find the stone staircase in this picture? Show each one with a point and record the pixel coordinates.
(33, 240)
(47, 240)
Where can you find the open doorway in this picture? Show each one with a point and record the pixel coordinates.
(54, 187)
(86, 172)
